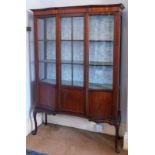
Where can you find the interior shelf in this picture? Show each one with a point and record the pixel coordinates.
(97, 63)
(100, 86)
(70, 62)
(70, 83)
(91, 63)
(77, 40)
(64, 82)
(50, 81)
(101, 40)
(48, 61)
(46, 40)
(71, 40)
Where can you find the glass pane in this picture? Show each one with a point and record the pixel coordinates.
(66, 74)
(78, 75)
(101, 30)
(51, 71)
(47, 72)
(41, 71)
(40, 29)
(66, 51)
(41, 50)
(78, 28)
(51, 50)
(101, 52)
(100, 77)
(66, 28)
(46, 50)
(101, 27)
(78, 51)
(50, 28)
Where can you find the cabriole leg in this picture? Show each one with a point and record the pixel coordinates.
(116, 138)
(45, 119)
(35, 123)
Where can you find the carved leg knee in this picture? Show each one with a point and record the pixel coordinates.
(34, 132)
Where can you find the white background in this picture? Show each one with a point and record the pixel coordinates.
(141, 77)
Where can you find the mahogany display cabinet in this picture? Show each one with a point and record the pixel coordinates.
(77, 62)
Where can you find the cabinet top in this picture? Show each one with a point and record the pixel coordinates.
(79, 9)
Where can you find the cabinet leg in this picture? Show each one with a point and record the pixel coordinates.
(45, 119)
(116, 139)
(34, 132)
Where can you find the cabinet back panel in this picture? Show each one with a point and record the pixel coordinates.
(72, 100)
(100, 104)
(47, 96)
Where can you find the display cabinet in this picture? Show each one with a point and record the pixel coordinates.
(77, 62)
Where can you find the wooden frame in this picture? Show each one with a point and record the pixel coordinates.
(99, 105)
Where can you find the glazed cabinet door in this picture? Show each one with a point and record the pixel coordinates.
(72, 64)
(47, 61)
(100, 83)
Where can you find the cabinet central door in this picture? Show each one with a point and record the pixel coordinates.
(72, 64)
